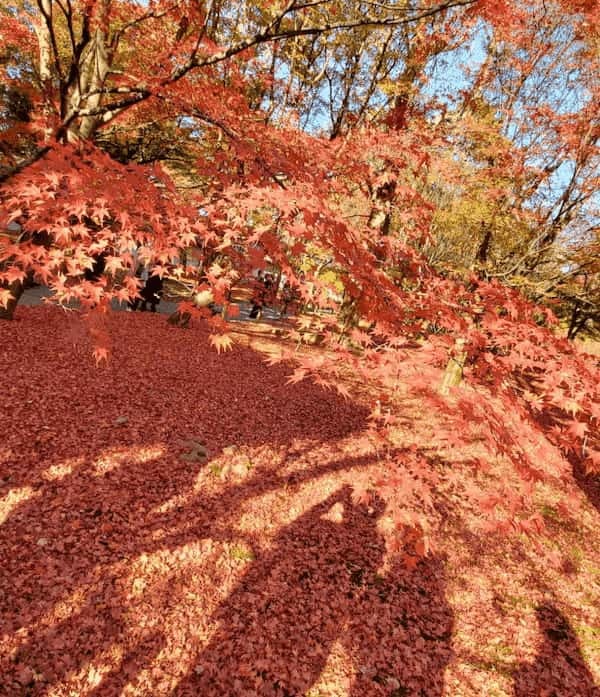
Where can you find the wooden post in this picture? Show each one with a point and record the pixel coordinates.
(453, 373)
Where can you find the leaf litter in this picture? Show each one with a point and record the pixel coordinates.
(177, 522)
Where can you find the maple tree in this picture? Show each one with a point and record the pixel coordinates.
(177, 514)
(96, 89)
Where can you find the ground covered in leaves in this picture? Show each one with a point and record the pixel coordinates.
(177, 522)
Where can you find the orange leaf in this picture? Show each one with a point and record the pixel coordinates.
(222, 342)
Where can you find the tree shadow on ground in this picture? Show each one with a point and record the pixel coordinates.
(75, 613)
(318, 600)
(588, 482)
(559, 669)
(160, 385)
(66, 581)
(67, 543)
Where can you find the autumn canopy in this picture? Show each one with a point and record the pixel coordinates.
(387, 484)
(423, 175)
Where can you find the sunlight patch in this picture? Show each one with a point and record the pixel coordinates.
(269, 513)
(338, 674)
(91, 675)
(177, 501)
(62, 611)
(14, 497)
(175, 593)
(68, 607)
(55, 473)
(113, 459)
(335, 514)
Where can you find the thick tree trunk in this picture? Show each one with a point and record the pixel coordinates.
(95, 68)
(84, 92)
(42, 30)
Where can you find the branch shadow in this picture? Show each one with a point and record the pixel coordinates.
(66, 544)
(317, 606)
(161, 384)
(559, 669)
(80, 564)
(66, 609)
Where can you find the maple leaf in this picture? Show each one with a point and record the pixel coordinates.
(570, 405)
(12, 274)
(100, 354)
(222, 342)
(297, 376)
(100, 210)
(594, 411)
(188, 238)
(535, 401)
(361, 494)
(533, 525)
(342, 390)
(122, 294)
(361, 337)
(62, 234)
(577, 429)
(94, 294)
(113, 264)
